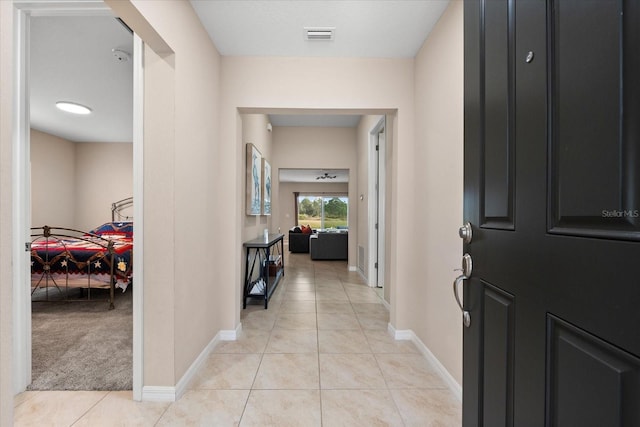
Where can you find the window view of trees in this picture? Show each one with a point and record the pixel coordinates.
(323, 212)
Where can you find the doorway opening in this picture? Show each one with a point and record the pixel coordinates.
(301, 149)
(43, 148)
(377, 186)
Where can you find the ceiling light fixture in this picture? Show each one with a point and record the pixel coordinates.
(319, 33)
(73, 107)
(326, 176)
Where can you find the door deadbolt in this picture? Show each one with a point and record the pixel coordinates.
(466, 232)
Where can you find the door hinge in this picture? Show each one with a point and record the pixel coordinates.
(377, 147)
(375, 265)
(27, 247)
(376, 225)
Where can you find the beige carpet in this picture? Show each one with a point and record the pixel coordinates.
(82, 345)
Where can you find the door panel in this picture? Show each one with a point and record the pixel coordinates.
(498, 329)
(498, 116)
(590, 382)
(593, 188)
(552, 153)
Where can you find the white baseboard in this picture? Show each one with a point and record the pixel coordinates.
(409, 335)
(363, 277)
(230, 334)
(152, 393)
(386, 304)
(352, 268)
(172, 394)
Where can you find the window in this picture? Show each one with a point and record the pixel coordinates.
(321, 212)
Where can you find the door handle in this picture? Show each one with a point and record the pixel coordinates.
(467, 267)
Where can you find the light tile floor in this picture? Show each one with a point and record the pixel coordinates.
(319, 356)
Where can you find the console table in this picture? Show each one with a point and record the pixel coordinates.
(268, 256)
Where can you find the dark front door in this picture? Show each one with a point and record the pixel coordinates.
(552, 190)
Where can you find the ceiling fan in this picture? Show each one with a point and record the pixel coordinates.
(326, 176)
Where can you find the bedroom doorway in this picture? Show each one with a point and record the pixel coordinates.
(36, 138)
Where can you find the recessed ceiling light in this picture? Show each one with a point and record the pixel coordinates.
(73, 107)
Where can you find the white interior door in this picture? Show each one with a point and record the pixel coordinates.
(377, 179)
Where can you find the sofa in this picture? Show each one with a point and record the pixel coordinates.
(329, 246)
(299, 241)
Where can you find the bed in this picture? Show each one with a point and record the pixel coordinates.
(65, 260)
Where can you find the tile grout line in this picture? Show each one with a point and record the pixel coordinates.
(89, 409)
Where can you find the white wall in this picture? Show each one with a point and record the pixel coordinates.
(435, 317)
(53, 181)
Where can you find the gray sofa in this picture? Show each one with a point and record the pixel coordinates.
(299, 242)
(329, 246)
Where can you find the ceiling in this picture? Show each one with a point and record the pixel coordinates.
(363, 28)
(312, 175)
(72, 60)
(315, 120)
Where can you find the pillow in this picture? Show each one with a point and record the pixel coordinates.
(114, 228)
(296, 229)
(306, 229)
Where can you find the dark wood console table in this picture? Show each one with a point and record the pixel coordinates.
(268, 256)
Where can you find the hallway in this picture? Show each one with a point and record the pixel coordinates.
(319, 356)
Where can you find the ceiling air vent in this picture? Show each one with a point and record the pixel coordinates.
(319, 33)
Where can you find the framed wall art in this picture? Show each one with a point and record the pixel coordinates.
(254, 180)
(266, 189)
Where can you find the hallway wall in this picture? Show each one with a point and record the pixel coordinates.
(184, 313)
(435, 316)
(323, 85)
(254, 130)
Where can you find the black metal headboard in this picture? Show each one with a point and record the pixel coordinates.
(118, 207)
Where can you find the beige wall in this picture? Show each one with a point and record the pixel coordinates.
(368, 86)
(159, 228)
(254, 131)
(435, 317)
(182, 233)
(73, 184)
(104, 174)
(53, 181)
(6, 229)
(317, 148)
